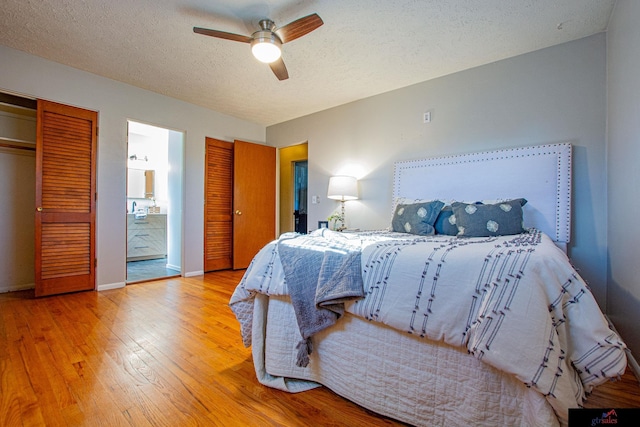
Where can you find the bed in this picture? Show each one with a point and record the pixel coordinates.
(466, 326)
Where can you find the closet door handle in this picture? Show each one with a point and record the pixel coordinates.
(39, 208)
(238, 212)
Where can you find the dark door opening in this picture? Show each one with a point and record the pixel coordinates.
(300, 196)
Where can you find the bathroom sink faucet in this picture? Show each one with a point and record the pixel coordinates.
(133, 207)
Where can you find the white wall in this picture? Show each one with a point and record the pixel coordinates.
(175, 196)
(552, 95)
(623, 75)
(116, 102)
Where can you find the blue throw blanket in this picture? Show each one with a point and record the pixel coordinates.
(322, 271)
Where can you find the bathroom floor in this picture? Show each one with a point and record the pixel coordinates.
(149, 269)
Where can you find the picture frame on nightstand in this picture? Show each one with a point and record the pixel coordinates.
(323, 224)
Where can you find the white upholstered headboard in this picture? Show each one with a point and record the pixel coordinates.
(541, 174)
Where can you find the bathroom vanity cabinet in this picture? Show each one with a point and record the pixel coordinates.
(146, 237)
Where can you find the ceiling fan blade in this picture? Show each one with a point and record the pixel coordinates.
(222, 35)
(299, 28)
(279, 69)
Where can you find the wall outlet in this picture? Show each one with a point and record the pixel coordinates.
(315, 200)
(426, 118)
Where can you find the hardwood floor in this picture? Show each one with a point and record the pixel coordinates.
(162, 353)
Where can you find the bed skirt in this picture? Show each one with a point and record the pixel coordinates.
(413, 380)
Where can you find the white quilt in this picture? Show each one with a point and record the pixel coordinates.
(514, 302)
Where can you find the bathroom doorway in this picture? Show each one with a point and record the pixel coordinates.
(293, 167)
(154, 202)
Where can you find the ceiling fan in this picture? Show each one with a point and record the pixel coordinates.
(266, 42)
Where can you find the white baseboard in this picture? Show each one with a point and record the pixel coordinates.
(109, 286)
(173, 267)
(5, 289)
(194, 273)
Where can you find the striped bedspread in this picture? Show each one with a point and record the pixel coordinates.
(514, 302)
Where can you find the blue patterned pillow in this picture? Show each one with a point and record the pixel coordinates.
(417, 218)
(479, 220)
(446, 222)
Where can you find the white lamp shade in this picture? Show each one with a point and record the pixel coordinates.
(266, 46)
(343, 188)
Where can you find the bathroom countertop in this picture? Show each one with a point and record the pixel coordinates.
(149, 214)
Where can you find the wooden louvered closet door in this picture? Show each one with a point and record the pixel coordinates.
(218, 222)
(65, 198)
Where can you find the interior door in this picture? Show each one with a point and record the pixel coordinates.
(254, 200)
(218, 210)
(66, 142)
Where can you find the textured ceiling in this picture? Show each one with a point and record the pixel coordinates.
(364, 48)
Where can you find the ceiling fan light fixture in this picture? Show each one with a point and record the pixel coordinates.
(266, 42)
(266, 47)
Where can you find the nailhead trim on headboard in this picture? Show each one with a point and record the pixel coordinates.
(501, 161)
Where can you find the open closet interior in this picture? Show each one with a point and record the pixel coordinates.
(17, 191)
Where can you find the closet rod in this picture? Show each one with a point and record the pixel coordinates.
(16, 146)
